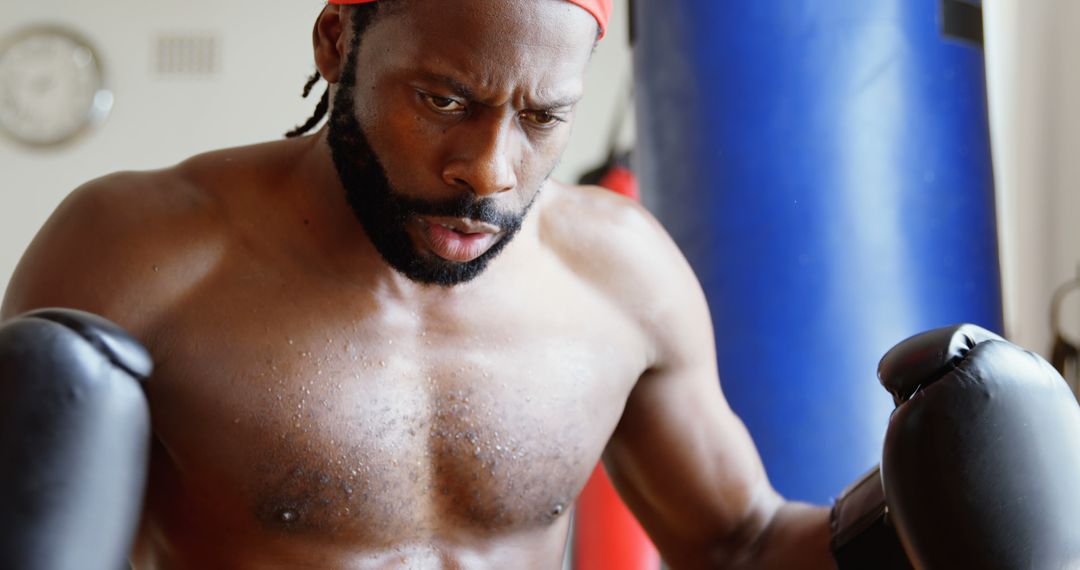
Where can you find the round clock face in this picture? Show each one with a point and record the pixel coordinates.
(51, 86)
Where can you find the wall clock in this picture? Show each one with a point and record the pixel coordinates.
(52, 87)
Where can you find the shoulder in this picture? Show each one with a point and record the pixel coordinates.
(600, 233)
(127, 245)
(624, 252)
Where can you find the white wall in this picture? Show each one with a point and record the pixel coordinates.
(1034, 86)
(159, 120)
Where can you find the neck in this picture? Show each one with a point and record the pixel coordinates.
(327, 222)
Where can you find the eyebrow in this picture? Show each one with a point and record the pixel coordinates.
(461, 90)
(567, 101)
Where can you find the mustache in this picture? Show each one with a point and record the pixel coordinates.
(468, 206)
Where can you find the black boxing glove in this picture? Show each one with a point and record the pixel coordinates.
(981, 462)
(74, 441)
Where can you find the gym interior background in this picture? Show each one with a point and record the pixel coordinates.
(198, 75)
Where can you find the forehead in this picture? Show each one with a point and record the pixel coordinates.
(487, 44)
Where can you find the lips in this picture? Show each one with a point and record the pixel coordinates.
(458, 239)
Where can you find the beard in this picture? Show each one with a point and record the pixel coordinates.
(385, 213)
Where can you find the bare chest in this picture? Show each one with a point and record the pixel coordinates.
(390, 423)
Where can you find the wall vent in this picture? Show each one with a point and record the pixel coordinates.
(189, 54)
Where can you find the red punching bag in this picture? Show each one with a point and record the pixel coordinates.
(615, 175)
(606, 534)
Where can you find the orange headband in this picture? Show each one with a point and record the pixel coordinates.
(600, 9)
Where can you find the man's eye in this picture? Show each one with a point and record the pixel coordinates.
(443, 104)
(542, 118)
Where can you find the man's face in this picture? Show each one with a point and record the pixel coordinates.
(446, 122)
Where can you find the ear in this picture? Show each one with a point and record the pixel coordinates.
(329, 41)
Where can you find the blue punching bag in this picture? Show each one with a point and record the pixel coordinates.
(825, 166)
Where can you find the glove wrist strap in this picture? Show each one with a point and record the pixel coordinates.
(862, 536)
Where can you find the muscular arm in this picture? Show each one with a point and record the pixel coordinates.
(681, 459)
(58, 268)
(111, 248)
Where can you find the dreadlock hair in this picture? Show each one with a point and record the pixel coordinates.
(320, 109)
(362, 17)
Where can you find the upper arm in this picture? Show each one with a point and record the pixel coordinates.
(98, 252)
(681, 459)
(54, 269)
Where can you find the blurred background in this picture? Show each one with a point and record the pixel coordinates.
(1034, 93)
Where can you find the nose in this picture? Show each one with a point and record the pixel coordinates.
(484, 161)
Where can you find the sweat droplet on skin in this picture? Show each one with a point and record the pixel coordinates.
(288, 516)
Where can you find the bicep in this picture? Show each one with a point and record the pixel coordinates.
(680, 457)
(688, 469)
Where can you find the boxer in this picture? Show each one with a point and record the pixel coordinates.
(396, 342)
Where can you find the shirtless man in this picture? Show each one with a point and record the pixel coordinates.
(398, 343)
